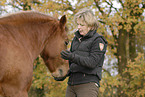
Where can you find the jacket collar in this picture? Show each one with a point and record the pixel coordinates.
(88, 35)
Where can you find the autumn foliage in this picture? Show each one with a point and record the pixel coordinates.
(122, 22)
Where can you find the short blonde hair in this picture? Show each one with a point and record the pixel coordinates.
(88, 17)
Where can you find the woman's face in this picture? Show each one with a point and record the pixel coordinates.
(82, 27)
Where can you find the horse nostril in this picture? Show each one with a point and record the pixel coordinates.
(61, 72)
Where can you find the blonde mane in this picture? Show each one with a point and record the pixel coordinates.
(25, 16)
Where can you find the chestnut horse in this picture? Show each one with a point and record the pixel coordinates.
(23, 37)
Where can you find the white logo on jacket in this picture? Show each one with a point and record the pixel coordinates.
(101, 45)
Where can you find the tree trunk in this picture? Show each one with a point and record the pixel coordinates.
(122, 57)
(132, 44)
(121, 50)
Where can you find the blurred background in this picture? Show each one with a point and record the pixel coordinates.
(121, 22)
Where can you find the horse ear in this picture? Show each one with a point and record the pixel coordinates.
(63, 21)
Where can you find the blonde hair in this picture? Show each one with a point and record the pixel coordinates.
(87, 16)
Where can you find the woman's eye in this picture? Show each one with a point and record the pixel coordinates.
(81, 24)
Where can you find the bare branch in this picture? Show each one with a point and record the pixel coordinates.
(143, 5)
(111, 5)
(121, 3)
(14, 6)
(97, 5)
(107, 72)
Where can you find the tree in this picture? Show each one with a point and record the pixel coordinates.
(134, 88)
(136, 85)
(122, 27)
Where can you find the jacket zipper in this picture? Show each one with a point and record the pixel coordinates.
(79, 42)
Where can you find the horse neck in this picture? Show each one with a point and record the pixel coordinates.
(38, 39)
(28, 30)
(31, 37)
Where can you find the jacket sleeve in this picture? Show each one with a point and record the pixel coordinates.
(98, 49)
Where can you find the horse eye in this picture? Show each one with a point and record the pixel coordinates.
(66, 42)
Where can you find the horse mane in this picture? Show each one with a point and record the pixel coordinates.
(25, 16)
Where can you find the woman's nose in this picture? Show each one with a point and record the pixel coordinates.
(79, 26)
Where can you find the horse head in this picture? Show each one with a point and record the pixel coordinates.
(51, 53)
(24, 36)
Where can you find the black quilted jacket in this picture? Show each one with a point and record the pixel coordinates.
(89, 53)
